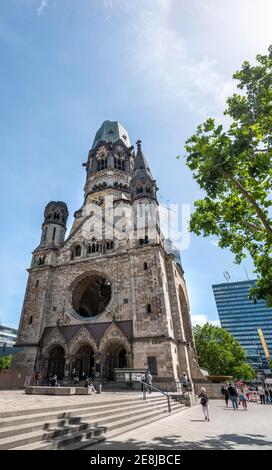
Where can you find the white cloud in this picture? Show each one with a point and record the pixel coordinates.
(202, 319)
(42, 6)
(187, 53)
(108, 4)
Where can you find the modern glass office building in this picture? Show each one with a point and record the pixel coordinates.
(243, 318)
(7, 336)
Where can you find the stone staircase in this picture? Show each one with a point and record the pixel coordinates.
(80, 425)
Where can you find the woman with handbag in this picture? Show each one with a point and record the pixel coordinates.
(204, 402)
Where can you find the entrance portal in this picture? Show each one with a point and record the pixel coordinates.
(116, 358)
(84, 362)
(56, 362)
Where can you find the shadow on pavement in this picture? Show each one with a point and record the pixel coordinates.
(222, 441)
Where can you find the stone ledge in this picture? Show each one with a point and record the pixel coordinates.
(36, 390)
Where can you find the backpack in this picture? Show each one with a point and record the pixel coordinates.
(204, 400)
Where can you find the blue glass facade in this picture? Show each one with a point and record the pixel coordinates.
(242, 318)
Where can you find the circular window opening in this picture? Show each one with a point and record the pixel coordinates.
(91, 296)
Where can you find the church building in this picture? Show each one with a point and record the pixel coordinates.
(110, 294)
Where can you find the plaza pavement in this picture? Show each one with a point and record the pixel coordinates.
(227, 429)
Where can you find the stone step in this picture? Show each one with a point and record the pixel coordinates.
(24, 425)
(7, 414)
(33, 436)
(79, 440)
(96, 407)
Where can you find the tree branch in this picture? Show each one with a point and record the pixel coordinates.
(252, 226)
(260, 213)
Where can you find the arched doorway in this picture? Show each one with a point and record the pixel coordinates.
(56, 362)
(84, 361)
(115, 358)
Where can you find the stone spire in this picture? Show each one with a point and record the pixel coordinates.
(142, 182)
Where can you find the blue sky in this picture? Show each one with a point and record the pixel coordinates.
(160, 67)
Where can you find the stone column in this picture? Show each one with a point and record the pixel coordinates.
(67, 366)
(98, 365)
(129, 360)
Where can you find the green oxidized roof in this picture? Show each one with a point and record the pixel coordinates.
(111, 131)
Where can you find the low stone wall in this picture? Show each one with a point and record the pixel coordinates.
(36, 390)
(15, 378)
(213, 390)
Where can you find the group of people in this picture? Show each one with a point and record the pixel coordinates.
(53, 380)
(87, 380)
(240, 394)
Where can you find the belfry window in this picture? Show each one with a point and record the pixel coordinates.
(119, 163)
(102, 164)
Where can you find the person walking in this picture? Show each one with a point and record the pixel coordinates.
(243, 399)
(270, 394)
(261, 394)
(204, 402)
(149, 381)
(184, 381)
(233, 395)
(267, 395)
(225, 392)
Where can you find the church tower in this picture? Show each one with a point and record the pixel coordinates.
(110, 295)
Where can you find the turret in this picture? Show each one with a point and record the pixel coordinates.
(54, 225)
(142, 183)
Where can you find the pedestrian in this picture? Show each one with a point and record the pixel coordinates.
(270, 394)
(261, 394)
(83, 375)
(233, 395)
(148, 380)
(225, 392)
(76, 378)
(204, 402)
(267, 395)
(184, 381)
(243, 398)
(54, 381)
(37, 378)
(49, 380)
(90, 385)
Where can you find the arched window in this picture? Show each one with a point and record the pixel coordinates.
(102, 164)
(78, 250)
(119, 163)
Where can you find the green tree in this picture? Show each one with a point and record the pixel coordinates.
(5, 362)
(234, 168)
(220, 353)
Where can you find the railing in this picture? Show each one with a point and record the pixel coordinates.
(146, 386)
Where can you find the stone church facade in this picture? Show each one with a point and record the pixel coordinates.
(109, 295)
